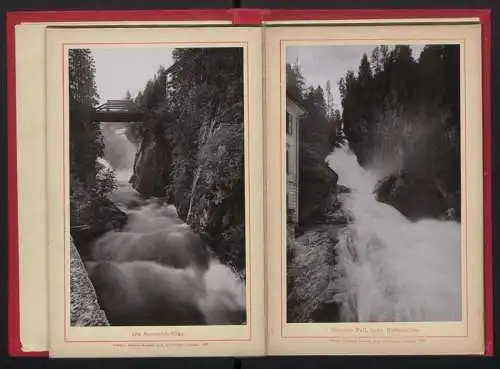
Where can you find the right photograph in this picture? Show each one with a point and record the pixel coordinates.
(373, 178)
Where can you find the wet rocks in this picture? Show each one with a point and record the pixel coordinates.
(101, 216)
(415, 197)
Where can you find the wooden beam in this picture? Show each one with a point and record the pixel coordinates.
(117, 116)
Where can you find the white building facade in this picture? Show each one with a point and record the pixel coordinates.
(294, 111)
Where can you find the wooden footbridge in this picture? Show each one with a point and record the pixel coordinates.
(118, 111)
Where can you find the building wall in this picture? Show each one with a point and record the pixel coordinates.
(292, 157)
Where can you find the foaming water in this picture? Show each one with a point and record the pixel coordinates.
(154, 235)
(225, 299)
(118, 150)
(391, 269)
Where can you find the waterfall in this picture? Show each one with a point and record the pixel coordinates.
(389, 268)
(119, 152)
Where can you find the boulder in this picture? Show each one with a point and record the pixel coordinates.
(102, 216)
(415, 197)
(334, 212)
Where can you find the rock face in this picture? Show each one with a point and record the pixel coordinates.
(151, 167)
(333, 212)
(209, 191)
(191, 150)
(92, 212)
(311, 271)
(217, 203)
(84, 308)
(414, 197)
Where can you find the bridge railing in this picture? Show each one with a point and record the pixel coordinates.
(118, 106)
(118, 111)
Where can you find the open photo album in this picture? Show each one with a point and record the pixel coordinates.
(249, 183)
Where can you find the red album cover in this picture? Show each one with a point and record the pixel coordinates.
(237, 17)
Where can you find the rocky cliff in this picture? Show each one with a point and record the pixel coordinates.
(152, 165)
(210, 197)
(92, 212)
(191, 151)
(84, 308)
(417, 197)
(311, 263)
(311, 271)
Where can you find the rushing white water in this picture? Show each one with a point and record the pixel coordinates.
(155, 234)
(391, 269)
(118, 150)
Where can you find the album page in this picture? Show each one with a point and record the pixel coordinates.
(31, 187)
(30, 68)
(155, 181)
(374, 182)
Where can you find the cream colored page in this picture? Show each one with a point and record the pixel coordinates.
(215, 340)
(461, 337)
(30, 107)
(30, 127)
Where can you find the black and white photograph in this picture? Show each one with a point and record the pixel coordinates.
(157, 187)
(373, 179)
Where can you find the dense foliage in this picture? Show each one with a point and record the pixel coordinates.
(402, 115)
(195, 119)
(89, 181)
(85, 138)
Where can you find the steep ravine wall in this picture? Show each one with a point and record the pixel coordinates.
(85, 310)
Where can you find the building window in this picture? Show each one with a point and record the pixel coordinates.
(288, 123)
(287, 161)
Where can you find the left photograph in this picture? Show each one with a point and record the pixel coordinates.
(157, 187)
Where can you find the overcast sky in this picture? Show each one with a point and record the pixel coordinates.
(127, 68)
(322, 63)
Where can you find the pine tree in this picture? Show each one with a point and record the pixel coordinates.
(295, 82)
(364, 72)
(89, 182)
(376, 61)
(85, 136)
(406, 111)
(329, 100)
(82, 87)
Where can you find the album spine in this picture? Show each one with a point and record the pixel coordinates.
(487, 189)
(14, 340)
